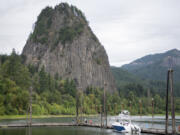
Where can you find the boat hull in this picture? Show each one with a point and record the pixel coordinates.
(119, 129)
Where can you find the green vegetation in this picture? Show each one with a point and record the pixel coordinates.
(53, 95)
(33, 116)
(44, 21)
(98, 61)
(14, 81)
(67, 34)
(154, 67)
(151, 71)
(136, 90)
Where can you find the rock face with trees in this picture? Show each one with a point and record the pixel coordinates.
(63, 43)
(61, 54)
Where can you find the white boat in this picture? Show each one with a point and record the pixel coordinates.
(123, 123)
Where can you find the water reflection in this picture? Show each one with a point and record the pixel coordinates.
(59, 131)
(144, 122)
(29, 130)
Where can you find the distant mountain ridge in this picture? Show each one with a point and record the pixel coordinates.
(154, 67)
(122, 75)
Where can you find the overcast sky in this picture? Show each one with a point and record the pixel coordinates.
(128, 29)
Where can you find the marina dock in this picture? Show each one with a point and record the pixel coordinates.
(148, 130)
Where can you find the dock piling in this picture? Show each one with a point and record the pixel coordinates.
(170, 84)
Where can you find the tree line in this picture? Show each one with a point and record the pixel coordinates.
(56, 95)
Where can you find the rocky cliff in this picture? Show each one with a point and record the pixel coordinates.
(63, 43)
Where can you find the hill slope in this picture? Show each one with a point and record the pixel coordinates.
(123, 77)
(63, 43)
(154, 67)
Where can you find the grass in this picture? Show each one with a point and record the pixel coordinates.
(36, 116)
(33, 116)
(50, 116)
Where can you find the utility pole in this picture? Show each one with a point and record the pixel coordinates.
(170, 82)
(30, 100)
(172, 103)
(29, 112)
(167, 88)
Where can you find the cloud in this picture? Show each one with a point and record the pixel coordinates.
(128, 29)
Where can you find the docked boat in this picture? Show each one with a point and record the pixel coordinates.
(123, 123)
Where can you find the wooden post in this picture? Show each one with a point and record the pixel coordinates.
(140, 107)
(82, 101)
(105, 111)
(130, 107)
(30, 107)
(77, 107)
(96, 109)
(167, 88)
(172, 103)
(109, 107)
(122, 107)
(152, 109)
(101, 116)
(115, 108)
(81, 116)
(149, 95)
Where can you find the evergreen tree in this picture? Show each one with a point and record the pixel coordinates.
(43, 80)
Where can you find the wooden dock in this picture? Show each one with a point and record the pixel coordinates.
(36, 125)
(149, 130)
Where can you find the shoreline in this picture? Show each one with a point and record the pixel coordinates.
(39, 116)
(61, 116)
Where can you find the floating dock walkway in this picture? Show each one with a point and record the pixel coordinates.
(149, 130)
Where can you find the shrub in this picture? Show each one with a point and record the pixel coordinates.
(43, 23)
(67, 34)
(56, 109)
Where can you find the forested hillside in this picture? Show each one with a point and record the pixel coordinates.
(66, 66)
(131, 85)
(154, 67)
(54, 95)
(51, 94)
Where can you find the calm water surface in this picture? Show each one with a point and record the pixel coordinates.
(157, 122)
(59, 131)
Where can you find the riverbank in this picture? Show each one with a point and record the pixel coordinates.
(59, 116)
(33, 116)
(39, 116)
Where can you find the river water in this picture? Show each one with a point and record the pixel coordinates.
(59, 131)
(157, 122)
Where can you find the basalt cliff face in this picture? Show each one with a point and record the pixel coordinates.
(63, 43)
